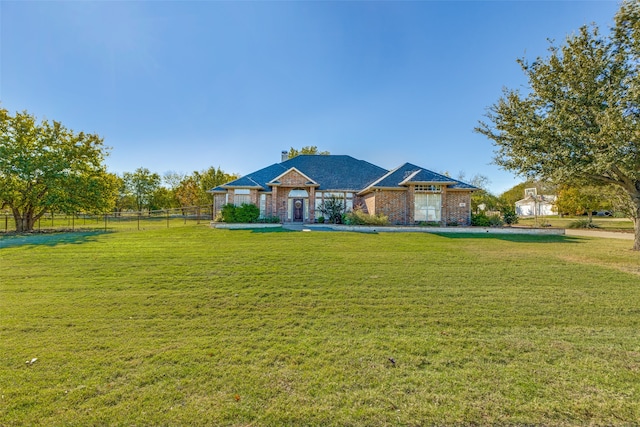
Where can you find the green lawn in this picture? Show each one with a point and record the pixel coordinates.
(195, 326)
(605, 223)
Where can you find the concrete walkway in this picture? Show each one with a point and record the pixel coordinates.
(599, 233)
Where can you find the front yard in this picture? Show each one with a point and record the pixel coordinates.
(197, 326)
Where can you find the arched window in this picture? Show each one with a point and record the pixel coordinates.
(298, 193)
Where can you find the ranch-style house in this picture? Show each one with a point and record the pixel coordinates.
(295, 188)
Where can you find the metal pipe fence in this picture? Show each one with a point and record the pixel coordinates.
(111, 221)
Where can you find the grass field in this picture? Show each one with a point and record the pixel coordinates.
(194, 326)
(605, 223)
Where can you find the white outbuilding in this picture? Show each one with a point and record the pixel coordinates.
(534, 205)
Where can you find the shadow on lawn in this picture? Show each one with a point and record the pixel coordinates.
(265, 230)
(48, 239)
(273, 230)
(521, 238)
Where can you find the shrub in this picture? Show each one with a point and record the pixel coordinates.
(245, 213)
(228, 213)
(509, 215)
(480, 220)
(321, 220)
(495, 221)
(357, 217)
(582, 223)
(333, 207)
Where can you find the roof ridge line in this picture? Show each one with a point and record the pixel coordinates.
(383, 177)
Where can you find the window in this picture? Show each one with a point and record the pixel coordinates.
(347, 199)
(298, 193)
(241, 195)
(318, 204)
(427, 207)
(421, 188)
(263, 205)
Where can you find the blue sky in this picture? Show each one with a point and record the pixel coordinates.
(184, 85)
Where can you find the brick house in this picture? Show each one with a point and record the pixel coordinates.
(294, 189)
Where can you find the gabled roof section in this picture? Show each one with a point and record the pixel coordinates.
(244, 182)
(257, 179)
(428, 177)
(276, 180)
(408, 174)
(336, 172)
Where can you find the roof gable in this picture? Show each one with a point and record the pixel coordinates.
(335, 172)
(407, 174)
(290, 175)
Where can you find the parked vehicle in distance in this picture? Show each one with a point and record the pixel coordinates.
(599, 213)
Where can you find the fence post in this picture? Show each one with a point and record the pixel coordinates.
(138, 221)
(73, 221)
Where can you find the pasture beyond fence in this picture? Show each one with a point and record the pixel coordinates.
(127, 220)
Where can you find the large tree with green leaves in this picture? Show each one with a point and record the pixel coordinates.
(45, 167)
(140, 186)
(583, 199)
(193, 190)
(579, 120)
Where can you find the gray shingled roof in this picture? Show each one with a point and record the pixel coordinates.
(337, 172)
(330, 172)
(409, 173)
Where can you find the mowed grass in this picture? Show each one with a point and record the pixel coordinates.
(604, 223)
(195, 326)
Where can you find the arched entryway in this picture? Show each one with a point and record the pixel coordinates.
(298, 205)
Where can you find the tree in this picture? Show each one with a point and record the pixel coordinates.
(193, 189)
(310, 149)
(579, 123)
(187, 192)
(45, 167)
(333, 207)
(208, 179)
(581, 199)
(141, 185)
(481, 200)
(162, 198)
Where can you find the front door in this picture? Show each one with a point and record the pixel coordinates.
(298, 210)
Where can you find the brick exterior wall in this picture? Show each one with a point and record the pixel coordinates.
(394, 204)
(398, 205)
(453, 212)
(288, 182)
(293, 179)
